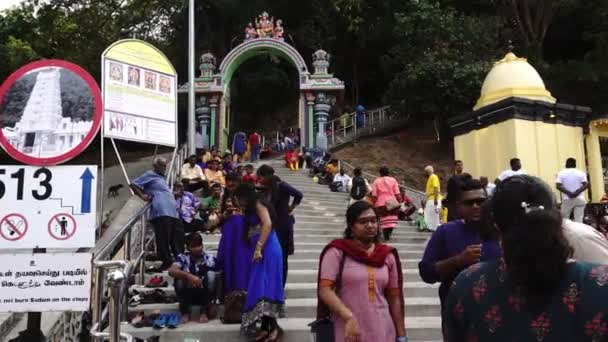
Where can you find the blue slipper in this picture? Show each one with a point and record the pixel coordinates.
(161, 321)
(173, 321)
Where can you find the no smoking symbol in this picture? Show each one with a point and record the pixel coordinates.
(62, 226)
(13, 227)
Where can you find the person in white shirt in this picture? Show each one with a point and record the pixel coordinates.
(343, 179)
(572, 183)
(588, 244)
(193, 176)
(489, 187)
(513, 171)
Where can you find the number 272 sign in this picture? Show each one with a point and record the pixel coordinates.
(52, 207)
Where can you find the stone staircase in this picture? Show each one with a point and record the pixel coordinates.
(319, 219)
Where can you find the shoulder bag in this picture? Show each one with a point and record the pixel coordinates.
(322, 330)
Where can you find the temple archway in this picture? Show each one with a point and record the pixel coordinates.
(317, 91)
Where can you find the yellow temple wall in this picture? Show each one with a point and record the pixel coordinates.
(542, 147)
(594, 161)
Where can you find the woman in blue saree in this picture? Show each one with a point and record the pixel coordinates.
(265, 297)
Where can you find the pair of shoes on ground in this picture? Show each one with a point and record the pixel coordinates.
(167, 320)
(157, 296)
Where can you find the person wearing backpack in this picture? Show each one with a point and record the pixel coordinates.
(358, 187)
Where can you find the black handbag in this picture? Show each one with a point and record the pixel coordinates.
(322, 330)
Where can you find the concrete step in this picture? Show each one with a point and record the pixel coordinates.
(311, 254)
(420, 329)
(328, 236)
(309, 290)
(307, 307)
(308, 275)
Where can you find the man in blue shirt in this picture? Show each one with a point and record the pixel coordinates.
(459, 244)
(169, 233)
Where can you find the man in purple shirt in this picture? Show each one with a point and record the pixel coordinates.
(188, 206)
(458, 244)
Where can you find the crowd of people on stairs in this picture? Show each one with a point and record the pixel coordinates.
(253, 212)
(512, 264)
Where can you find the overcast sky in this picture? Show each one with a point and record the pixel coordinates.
(4, 4)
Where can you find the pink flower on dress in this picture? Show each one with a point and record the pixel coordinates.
(493, 318)
(516, 300)
(571, 297)
(471, 269)
(596, 328)
(600, 274)
(541, 326)
(479, 288)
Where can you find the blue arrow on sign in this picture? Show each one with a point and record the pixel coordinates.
(87, 185)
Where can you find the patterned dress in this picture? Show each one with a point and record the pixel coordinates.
(483, 307)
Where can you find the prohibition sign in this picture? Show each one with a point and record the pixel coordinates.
(13, 227)
(62, 226)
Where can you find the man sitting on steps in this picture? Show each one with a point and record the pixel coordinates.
(194, 272)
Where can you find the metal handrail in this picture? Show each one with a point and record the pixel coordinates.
(118, 309)
(371, 120)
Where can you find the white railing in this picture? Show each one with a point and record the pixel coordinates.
(346, 128)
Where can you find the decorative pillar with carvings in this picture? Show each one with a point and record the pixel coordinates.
(323, 104)
(215, 130)
(203, 114)
(309, 123)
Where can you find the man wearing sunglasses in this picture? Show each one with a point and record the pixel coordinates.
(458, 244)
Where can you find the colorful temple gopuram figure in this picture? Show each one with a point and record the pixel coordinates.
(267, 26)
(263, 27)
(279, 31)
(250, 32)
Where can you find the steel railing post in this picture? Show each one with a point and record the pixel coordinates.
(98, 293)
(142, 262)
(114, 282)
(127, 245)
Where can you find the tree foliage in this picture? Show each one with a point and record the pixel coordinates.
(433, 54)
(440, 58)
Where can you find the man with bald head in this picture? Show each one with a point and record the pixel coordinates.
(152, 187)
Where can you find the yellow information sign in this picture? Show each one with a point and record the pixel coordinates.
(137, 52)
(139, 86)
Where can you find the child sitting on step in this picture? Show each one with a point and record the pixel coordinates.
(292, 159)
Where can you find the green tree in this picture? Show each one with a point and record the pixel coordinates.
(440, 59)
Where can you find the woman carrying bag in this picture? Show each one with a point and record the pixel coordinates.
(386, 197)
(360, 285)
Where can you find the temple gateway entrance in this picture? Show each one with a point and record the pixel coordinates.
(317, 92)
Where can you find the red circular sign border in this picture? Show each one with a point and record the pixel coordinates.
(69, 235)
(24, 221)
(97, 114)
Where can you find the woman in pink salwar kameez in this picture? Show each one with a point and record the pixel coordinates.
(386, 188)
(365, 298)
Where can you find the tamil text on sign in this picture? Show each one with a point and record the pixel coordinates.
(45, 282)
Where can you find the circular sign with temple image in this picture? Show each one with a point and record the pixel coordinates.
(50, 111)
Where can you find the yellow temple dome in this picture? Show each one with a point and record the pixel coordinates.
(513, 76)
